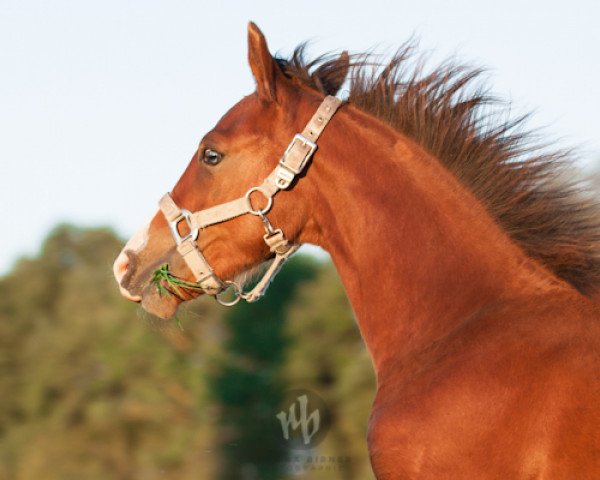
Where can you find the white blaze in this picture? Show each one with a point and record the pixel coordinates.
(135, 245)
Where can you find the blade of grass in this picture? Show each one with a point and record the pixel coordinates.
(168, 284)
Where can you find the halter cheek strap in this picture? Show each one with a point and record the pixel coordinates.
(291, 164)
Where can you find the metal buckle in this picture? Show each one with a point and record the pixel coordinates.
(305, 142)
(185, 215)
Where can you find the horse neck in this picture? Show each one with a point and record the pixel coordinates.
(416, 251)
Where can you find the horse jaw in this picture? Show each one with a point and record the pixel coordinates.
(160, 305)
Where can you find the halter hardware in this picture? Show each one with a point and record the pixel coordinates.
(174, 226)
(260, 212)
(292, 163)
(237, 292)
(286, 173)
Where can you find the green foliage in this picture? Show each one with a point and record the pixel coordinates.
(91, 387)
(248, 383)
(168, 284)
(86, 389)
(327, 356)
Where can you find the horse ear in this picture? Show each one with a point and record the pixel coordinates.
(264, 67)
(331, 75)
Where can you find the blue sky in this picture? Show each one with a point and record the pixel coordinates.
(102, 103)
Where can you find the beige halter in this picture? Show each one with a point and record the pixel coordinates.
(291, 164)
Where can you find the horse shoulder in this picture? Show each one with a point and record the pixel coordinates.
(513, 393)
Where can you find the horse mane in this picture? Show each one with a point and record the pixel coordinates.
(527, 186)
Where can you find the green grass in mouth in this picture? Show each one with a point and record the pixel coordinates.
(168, 284)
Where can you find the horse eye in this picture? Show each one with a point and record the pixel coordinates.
(211, 157)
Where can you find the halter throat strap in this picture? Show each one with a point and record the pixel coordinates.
(291, 164)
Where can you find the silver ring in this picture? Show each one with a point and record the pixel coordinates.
(259, 212)
(236, 291)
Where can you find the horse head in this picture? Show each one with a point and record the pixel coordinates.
(232, 162)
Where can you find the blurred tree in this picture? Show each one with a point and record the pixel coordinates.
(327, 355)
(248, 384)
(91, 387)
(86, 391)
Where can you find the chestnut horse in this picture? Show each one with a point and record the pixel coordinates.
(468, 260)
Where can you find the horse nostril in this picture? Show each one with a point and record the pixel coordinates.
(120, 267)
(122, 274)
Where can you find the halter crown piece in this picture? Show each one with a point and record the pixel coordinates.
(291, 164)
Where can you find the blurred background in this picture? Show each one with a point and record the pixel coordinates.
(101, 108)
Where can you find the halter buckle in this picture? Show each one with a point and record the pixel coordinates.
(287, 170)
(187, 216)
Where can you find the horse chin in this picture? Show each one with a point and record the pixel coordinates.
(162, 306)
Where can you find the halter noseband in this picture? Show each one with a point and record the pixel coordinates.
(291, 164)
